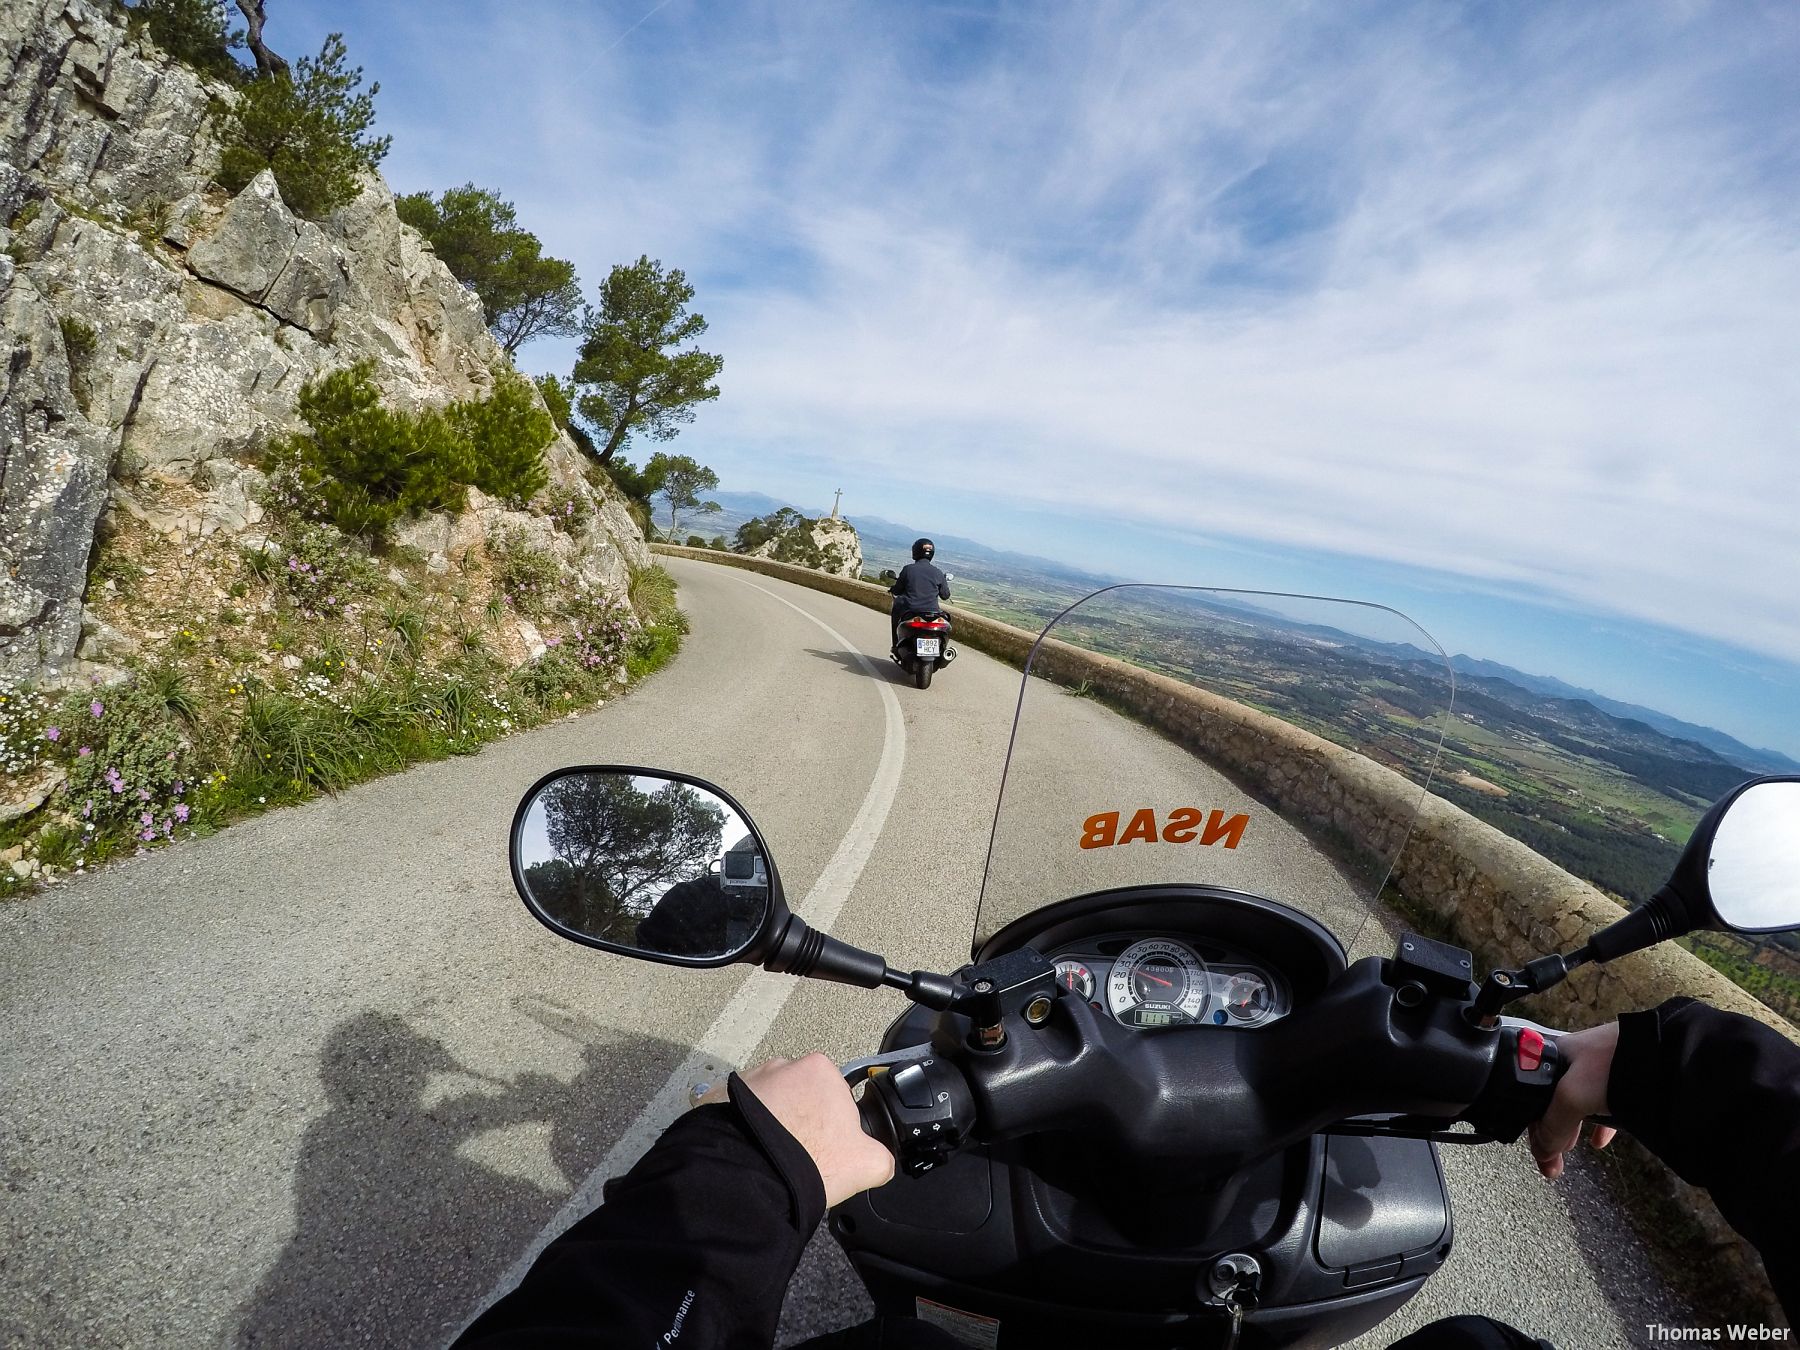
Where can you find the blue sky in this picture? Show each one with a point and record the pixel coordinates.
(1488, 312)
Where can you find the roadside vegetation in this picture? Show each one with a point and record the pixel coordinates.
(265, 669)
(270, 674)
(320, 650)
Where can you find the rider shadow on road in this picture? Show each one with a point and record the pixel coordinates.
(885, 669)
(399, 1235)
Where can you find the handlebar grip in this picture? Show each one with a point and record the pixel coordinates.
(1527, 1067)
(875, 1120)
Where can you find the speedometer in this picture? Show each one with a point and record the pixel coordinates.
(1157, 983)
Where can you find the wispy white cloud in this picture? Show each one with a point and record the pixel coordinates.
(1506, 291)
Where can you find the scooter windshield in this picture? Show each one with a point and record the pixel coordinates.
(1272, 744)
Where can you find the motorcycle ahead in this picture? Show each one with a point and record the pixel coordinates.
(923, 646)
(1161, 1106)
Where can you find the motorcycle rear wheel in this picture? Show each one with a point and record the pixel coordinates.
(922, 673)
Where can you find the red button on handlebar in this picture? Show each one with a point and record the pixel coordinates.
(1531, 1049)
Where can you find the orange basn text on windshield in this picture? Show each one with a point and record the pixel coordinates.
(1184, 825)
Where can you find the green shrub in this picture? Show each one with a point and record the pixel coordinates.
(558, 398)
(311, 128)
(362, 466)
(408, 625)
(652, 593)
(168, 683)
(663, 624)
(324, 571)
(597, 632)
(568, 509)
(506, 434)
(295, 743)
(57, 846)
(126, 755)
(524, 574)
(194, 31)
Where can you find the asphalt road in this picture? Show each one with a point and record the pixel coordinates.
(319, 1080)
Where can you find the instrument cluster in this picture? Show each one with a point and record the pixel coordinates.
(1154, 982)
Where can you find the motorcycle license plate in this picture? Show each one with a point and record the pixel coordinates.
(928, 648)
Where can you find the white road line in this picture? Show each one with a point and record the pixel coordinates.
(746, 1019)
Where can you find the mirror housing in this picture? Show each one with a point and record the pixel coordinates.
(1740, 872)
(664, 867)
(591, 845)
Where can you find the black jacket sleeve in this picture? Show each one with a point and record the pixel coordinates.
(696, 1244)
(1716, 1096)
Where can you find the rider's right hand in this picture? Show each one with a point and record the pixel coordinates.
(809, 1098)
(1580, 1093)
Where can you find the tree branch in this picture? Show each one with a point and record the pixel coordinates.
(267, 62)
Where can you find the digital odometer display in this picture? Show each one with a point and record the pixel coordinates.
(1157, 983)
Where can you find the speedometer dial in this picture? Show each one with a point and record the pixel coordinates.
(1157, 983)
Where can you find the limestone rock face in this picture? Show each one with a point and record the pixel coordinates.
(157, 329)
(91, 112)
(838, 541)
(53, 482)
(829, 544)
(261, 253)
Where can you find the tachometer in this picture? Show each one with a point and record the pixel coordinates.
(1076, 978)
(1157, 983)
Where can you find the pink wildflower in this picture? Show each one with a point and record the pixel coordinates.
(85, 751)
(148, 836)
(181, 813)
(144, 819)
(53, 733)
(97, 707)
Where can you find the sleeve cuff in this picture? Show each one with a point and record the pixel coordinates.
(792, 1163)
(1637, 1086)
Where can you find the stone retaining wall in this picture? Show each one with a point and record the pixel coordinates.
(1491, 893)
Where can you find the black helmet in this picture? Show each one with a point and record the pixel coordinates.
(923, 549)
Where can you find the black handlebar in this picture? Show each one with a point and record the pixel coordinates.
(1220, 1099)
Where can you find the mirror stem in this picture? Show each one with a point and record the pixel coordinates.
(923, 987)
(1661, 917)
(804, 951)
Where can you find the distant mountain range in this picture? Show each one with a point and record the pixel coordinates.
(1728, 747)
(886, 544)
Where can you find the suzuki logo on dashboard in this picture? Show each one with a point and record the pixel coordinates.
(1184, 825)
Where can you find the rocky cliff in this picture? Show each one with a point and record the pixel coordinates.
(158, 332)
(828, 544)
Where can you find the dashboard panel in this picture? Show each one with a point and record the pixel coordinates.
(1149, 981)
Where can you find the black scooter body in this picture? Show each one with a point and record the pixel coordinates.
(1061, 1247)
(928, 627)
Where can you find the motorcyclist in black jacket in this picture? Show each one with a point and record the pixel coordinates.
(695, 1245)
(918, 588)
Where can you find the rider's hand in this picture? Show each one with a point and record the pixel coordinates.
(810, 1100)
(1580, 1093)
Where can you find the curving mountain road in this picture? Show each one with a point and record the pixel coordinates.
(320, 1079)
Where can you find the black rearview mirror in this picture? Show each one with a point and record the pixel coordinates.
(646, 863)
(1739, 871)
(1753, 859)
